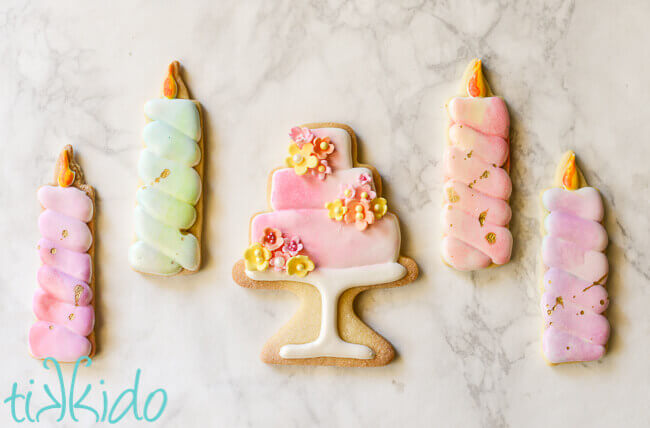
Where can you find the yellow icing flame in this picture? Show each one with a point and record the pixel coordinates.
(476, 86)
(170, 88)
(66, 175)
(570, 176)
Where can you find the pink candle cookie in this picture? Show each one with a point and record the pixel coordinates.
(64, 302)
(477, 187)
(573, 288)
(328, 237)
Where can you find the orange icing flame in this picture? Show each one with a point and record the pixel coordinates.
(476, 84)
(170, 88)
(66, 175)
(570, 177)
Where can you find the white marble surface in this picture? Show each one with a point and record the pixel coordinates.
(575, 75)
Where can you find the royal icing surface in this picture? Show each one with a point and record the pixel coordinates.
(62, 303)
(172, 188)
(574, 296)
(476, 212)
(345, 235)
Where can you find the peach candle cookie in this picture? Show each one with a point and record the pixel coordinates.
(328, 237)
(575, 269)
(64, 301)
(168, 214)
(476, 213)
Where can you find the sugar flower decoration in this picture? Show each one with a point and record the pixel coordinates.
(292, 246)
(322, 170)
(359, 213)
(365, 192)
(379, 207)
(299, 266)
(301, 136)
(302, 158)
(348, 192)
(272, 238)
(257, 257)
(279, 261)
(323, 147)
(365, 178)
(336, 209)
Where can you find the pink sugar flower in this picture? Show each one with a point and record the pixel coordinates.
(347, 193)
(301, 136)
(292, 246)
(279, 261)
(365, 178)
(322, 170)
(272, 238)
(366, 190)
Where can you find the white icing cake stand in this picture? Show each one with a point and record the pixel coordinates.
(331, 283)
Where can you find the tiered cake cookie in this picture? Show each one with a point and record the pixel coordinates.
(328, 237)
(575, 269)
(64, 302)
(168, 215)
(476, 213)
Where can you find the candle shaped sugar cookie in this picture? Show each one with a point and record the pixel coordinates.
(168, 214)
(476, 213)
(64, 301)
(575, 269)
(328, 237)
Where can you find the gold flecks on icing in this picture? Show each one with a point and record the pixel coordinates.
(481, 217)
(64, 233)
(78, 289)
(485, 174)
(53, 251)
(469, 155)
(570, 176)
(558, 301)
(71, 317)
(476, 86)
(164, 173)
(51, 327)
(491, 238)
(66, 175)
(170, 88)
(452, 195)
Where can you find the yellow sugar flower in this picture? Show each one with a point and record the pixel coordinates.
(299, 266)
(302, 159)
(257, 257)
(379, 206)
(336, 209)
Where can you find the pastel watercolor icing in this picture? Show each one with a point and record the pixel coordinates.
(63, 302)
(166, 203)
(477, 186)
(347, 238)
(574, 295)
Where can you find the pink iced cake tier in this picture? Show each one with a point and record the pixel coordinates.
(334, 244)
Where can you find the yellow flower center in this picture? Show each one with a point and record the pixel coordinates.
(300, 267)
(338, 210)
(324, 145)
(297, 158)
(258, 253)
(321, 168)
(359, 216)
(358, 208)
(260, 260)
(377, 208)
(364, 195)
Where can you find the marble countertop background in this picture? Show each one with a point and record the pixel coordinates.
(575, 76)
